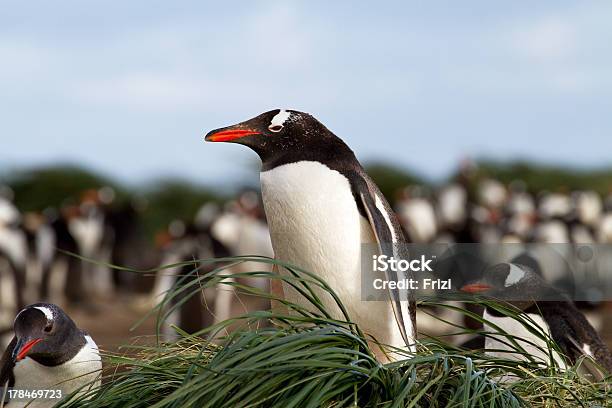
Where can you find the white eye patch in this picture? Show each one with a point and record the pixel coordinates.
(278, 121)
(515, 275)
(48, 313)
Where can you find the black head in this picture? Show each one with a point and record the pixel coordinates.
(514, 283)
(46, 334)
(282, 135)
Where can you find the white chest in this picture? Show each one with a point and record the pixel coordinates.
(419, 219)
(88, 232)
(313, 219)
(13, 244)
(315, 224)
(45, 245)
(83, 369)
(534, 345)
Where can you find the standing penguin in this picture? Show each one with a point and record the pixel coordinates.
(13, 248)
(48, 352)
(521, 285)
(321, 206)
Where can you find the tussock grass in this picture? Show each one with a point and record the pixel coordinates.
(303, 357)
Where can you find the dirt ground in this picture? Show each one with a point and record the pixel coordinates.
(111, 323)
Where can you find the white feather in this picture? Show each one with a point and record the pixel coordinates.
(492, 193)
(530, 342)
(88, 231)
(552, 232)
(8, 212)
(13, 244)
(280, 118)
(379, 204)
(589, 207)
(48, 312)
(515, 275)
(604, 229)
(419, 219)
(452, 203)
(554, 205)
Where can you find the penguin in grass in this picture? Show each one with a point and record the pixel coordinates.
(519, 283)
(321, 206)
(48, 352)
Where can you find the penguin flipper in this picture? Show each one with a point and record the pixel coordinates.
(390, 239)
(575, 326)
(6, 368)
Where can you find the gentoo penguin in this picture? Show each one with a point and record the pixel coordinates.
(554, 205)
(321, 206)
(41, 250)
(243, 230)
(588, 206)
(13, 248)
(66, 243)
(93, 238)
(48, 352)
(604, 229)
(520, 215)
(418, 217)
(519, 283)
(492, 193)
(452, 207)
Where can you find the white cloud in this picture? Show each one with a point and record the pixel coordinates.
(550, 39)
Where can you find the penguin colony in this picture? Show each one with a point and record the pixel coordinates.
(317, 207)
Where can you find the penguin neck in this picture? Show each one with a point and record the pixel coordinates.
(331, 151)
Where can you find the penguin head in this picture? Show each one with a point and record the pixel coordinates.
(517, 284)
(274, 133)
(45, 333)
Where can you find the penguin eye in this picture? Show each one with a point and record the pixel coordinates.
(48, 328)
(275, 128)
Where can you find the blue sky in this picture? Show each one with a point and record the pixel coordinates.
(130, 87)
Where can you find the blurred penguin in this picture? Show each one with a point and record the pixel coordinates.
(14, 253)
(452, 214)
(129, 246)
(89, 229)
(64, 280)
(417, 215)
(587, 212)
(41, 248)
(183, 246)
(520, 214)
(242, 228)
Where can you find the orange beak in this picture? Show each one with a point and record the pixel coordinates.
(475, 288)
(26, 349)
(228, 135)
